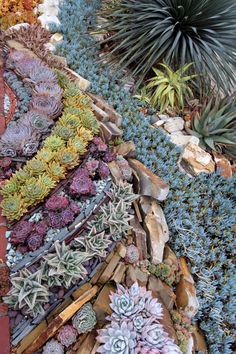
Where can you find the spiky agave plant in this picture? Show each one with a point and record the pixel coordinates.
(215, 126)
(170, 88)
(179, 32)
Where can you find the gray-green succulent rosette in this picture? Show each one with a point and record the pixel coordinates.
(134, 326)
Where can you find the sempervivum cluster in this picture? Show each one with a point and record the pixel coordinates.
(135, 326)
(61, 211)
(67, 335)
(28, 235)
(82, 184)
(94, 167)
(23, 137)
(100, 150)
(53, 347)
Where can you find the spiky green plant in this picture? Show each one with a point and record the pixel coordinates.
(12, 186)
(215, 126)
(28, 292)
(169, 88)
(114, 216)
(94, 243)
(142, 95)
(178, 32)
(64, 266)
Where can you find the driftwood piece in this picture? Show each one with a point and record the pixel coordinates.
(60, 320)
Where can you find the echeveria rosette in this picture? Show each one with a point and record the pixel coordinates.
(153, 334)
(117, 339)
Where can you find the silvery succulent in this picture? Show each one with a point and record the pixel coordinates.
(85, 319)
(136, 311)
(38, 121)
(117, 339)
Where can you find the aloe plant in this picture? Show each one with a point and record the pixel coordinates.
(215, 126)
(169, 88)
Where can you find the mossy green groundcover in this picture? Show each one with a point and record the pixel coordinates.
(200, 211)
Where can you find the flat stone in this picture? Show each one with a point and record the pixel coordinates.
(196, 160)
(140, 238)
(159, 288)
(174, 124)
(159, 123)
(147, 183)
(223, 165)
(178, 138)
(100, 114)
(126, 149)
(170, 257)
(156, 228)
(121, 249)
(109, 131)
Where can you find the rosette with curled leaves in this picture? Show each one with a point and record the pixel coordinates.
(38, 121)
(131, 302)
(48, 105)
(15, 138)
(126, 303)
(49, 88)
(85, 319)
(153, 334)
(117, 339)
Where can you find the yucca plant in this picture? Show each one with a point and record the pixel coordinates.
(215, 126)
(169, 88)
(178, 32)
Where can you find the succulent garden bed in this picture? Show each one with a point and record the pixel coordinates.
(85, 222)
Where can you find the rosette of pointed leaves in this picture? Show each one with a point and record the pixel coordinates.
(82, 184)
(15, 137)
(70, 120)
(12, 186)
(68, 157)
(47, 104)
(38, 121)
(35, 167)
(85, 319)
(28, 292)
(117, 339)
(64, 132)
(13, 207)
(42, 73)
(64, 267)
(54, 143)
(94, 243)
(77, 144)
(49, 88)
(20, 232)
(57, 202)
(84, 134)
(56, 171)
(36, 189)
(34, 241)
(46, 155)
(153, 334)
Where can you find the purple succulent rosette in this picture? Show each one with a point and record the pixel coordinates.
(134, 326)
